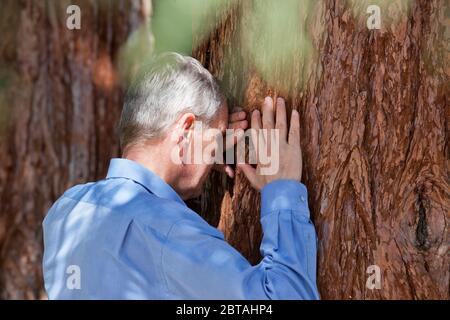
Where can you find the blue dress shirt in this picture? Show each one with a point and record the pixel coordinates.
(130, 236)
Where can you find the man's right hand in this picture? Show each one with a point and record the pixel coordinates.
(290, 164)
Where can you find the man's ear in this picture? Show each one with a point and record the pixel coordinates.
(185, 125)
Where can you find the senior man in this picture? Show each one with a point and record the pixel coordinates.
(131, 236)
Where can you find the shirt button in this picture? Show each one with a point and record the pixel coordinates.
(302, 198)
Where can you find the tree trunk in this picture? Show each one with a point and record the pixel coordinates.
(61, 95)
(374, 108)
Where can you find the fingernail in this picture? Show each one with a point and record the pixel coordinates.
(280, 100)
(268, 99)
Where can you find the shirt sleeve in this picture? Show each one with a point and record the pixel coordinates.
(199, 264)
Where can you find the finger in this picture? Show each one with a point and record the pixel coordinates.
(256, 128)
(250, 174)
(294, 132)
(267, 111)
(243, 124)
(256, 119)
(229, 171)
(233, 136)
(237, 129)
(281, 119)
(223, 168)
(237, 116)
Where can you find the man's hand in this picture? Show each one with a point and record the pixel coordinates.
(237, 121)
(290, 164)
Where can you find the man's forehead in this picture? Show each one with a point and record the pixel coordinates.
(222, 117)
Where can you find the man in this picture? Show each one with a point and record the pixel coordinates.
(131, 236)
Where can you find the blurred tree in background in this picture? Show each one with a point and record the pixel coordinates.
(61, 98)
(374, 108)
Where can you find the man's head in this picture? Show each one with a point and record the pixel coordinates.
(165, 104)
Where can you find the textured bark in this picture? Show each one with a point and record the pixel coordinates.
(66, 100)
(374, 109)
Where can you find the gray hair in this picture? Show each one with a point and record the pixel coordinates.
(171, 84)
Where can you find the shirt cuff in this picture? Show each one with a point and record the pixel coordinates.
(284, 195)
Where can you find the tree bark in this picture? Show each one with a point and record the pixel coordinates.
(62, 99)
(374, 108)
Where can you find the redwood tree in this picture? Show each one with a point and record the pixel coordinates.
(375, 113)
(60, 101)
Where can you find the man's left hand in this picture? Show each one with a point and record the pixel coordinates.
(237, 120)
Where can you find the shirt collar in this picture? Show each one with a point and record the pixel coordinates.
(128, 169)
